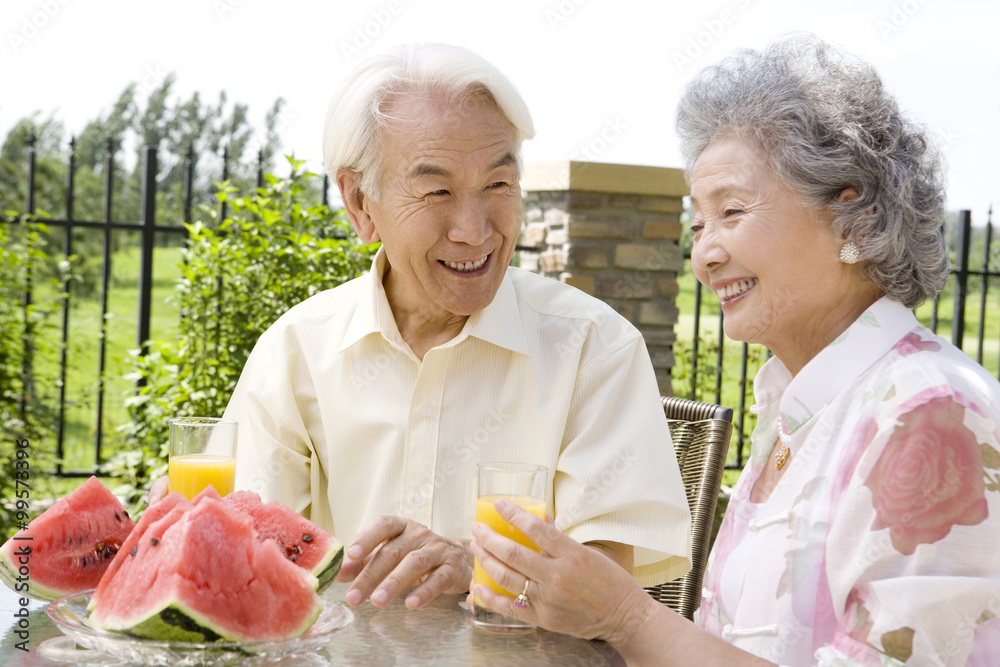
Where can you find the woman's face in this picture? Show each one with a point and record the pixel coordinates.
(772, 262)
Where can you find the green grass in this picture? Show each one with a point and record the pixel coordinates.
(84, 344)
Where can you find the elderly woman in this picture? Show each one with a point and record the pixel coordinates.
(865, 527)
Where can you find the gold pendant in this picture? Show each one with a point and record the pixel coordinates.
(781, 457)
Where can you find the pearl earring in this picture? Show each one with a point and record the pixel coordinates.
(849, 253)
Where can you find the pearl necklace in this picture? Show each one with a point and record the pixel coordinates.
(781, 456)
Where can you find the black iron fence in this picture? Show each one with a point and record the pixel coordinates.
(718, 370)
(152, 234)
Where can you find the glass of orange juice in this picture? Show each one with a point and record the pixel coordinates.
(523, 484)
(202, 452)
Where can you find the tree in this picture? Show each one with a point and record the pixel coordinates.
(173, 125)
(179, 128)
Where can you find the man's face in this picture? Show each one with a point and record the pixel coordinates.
(449, 212)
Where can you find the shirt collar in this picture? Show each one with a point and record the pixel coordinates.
(867, 340)
(499, 323)
(373, 314)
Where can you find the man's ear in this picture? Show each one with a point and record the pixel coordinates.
(356, 205)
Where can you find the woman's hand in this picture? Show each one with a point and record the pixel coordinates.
(158, 490)
(574, 589)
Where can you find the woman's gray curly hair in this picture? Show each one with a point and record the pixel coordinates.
(826, 122)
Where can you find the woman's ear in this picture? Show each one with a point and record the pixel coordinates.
(356, 205)
(847, 194)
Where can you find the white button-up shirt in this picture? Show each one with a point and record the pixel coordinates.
(342, 422)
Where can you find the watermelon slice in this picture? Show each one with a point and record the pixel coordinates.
(196, 572)
(303, 542)
(68, 547)
(153, 514)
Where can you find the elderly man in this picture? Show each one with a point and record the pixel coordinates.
(367, 407)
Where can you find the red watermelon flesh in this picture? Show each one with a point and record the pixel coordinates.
(303, 542)
(71, 544)
(151, 516)
(200, 574)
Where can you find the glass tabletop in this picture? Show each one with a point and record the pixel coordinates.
(440, 634)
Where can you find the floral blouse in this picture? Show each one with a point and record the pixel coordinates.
(880, 545)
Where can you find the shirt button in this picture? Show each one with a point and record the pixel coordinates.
(427, 411)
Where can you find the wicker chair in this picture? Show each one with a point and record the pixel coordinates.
(700, 433)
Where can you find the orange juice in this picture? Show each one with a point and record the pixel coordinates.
(486, 513)
(191, 473)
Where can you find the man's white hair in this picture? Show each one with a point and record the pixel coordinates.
(359, 109)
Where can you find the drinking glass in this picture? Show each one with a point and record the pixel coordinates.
(523, 484)
(202, 452)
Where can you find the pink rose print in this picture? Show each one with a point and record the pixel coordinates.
(929, 477)
(912, 344)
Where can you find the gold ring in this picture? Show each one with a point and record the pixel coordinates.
(522, 600)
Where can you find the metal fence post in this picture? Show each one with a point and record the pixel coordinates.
(27, 335)
(63, 353)
(961, 277)
(148, 238)
(109, 177)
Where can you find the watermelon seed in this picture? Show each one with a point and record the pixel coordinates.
(134, 549)
(118, 518)
(83, 561)
(307, 538)
(154, 541)
(292, 557)
(100, 547)
(296, 549)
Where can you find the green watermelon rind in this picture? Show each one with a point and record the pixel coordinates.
(9, 575)
(173, 619)
(175, 622)
(328, 568)
(39, 535)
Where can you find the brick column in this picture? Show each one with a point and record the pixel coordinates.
(612, 231)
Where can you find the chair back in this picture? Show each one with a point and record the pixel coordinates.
(700, 433)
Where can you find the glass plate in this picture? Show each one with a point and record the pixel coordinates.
(70, 614)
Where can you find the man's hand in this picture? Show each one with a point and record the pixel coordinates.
(392, 554)
(158, 490)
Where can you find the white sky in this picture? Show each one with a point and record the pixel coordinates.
(600, 76)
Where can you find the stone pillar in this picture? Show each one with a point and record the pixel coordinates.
(611, 230)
